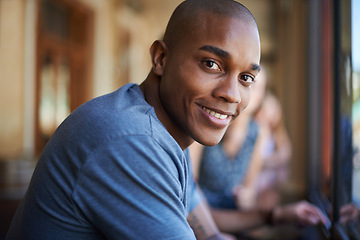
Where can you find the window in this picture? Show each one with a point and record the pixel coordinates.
(355, 53)
(63, 64)
(334, 113)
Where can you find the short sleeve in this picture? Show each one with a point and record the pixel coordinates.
(133, 189)
(195, 196)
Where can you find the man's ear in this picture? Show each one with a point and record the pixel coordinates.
(158, 51)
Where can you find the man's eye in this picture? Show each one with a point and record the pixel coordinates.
(211, 64)
(247, 78)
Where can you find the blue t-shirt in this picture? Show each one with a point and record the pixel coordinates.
(110, 171)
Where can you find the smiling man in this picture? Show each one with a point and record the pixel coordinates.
(117, 167)
(204, 69)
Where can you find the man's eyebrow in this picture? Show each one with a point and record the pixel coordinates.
(221, 53)
(215, 50)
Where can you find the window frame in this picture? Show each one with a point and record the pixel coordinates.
(329, 58)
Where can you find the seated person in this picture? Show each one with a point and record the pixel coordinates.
(268, 170)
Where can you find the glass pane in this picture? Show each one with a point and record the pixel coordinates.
(356, 99)
(345, 124)
(348, 193)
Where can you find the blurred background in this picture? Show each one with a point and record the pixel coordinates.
(57, 54)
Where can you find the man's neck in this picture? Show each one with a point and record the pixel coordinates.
(150, 89)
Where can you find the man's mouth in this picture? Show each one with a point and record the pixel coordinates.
(215, 114)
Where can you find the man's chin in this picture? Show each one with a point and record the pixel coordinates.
(210, 140)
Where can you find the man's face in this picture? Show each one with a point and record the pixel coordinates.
(208, 75)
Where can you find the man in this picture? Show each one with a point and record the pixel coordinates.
(116, 167)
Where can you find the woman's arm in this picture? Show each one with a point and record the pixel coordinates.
(203, 225)
(195, 151)
(300, 213)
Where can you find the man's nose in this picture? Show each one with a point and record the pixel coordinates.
(229, 89)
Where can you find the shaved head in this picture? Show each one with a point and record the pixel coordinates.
(203, 69)
(186, 16)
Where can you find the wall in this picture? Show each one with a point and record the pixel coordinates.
(292, 70)
(11, 77)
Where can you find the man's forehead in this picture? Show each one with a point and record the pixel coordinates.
(226, 38)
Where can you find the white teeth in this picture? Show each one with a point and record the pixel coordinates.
(215, 114)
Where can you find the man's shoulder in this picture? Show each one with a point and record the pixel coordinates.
(121, 113)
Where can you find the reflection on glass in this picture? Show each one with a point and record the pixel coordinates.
(356, 100)
(350, 129)
(342, 195)
(340, 123)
